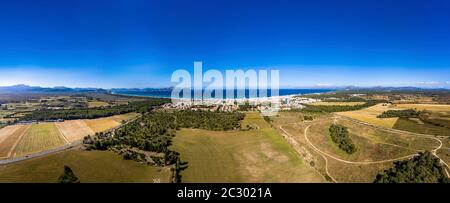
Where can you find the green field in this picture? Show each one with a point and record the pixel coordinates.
(37, 138)
(424, 128)
(256, 155)
(89, 166)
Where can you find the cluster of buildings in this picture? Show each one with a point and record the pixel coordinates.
(287, 102)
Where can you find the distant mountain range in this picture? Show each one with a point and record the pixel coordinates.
(37, 89)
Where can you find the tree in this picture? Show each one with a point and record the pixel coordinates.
(68, 176)
(424, 168)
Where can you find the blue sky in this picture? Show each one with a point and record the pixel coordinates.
(140, 43)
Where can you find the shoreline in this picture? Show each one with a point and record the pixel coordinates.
(224, 99)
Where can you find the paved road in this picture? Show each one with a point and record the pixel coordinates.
(54, 150)
(40, 154)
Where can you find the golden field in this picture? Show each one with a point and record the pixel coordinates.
(369, 115)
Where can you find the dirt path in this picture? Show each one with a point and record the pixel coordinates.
(434, 151)
(291, 140)
(349, 162)
(325, 155)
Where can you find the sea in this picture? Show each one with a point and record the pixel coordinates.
(167, 92)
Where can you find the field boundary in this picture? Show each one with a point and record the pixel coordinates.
(351, 162)
(62, 134)
(68, 145)
(40, 154)
(434, 151)
(18, 140)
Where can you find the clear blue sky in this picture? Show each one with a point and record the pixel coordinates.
(87, 43)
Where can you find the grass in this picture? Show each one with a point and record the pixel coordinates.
(424, 128)
(258, 155)
(37, 138)
(373, 145)
(89, 166)
(370, 146)
(337, 103)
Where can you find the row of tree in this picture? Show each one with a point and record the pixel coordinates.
(339, 135)
(91, 113)
(208, 120)
(407, 113)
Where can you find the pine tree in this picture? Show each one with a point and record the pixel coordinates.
(68, 176)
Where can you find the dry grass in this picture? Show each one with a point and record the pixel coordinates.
(101, 124)
(125, 117)
(369, 115)
(373, 145)
(93, 104)
(421, 107)
(7, 131)
(337, 103)
(74, 130)
(11, 140)
(89, 166)
(37, 138)
(259, 155)
(104, 124)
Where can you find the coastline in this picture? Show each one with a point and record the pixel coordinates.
(150, 95)
(229, 100)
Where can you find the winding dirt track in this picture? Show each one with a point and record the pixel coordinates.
(325, 155)
(434, 151)
(291, 140)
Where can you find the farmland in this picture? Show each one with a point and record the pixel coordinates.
(429, 107)
(74, 130)
(89, 166)
(257, 154)
(101, 124)
(435, 113)
(369, 115)
(12, 135)
(20, 140)
(39, 137)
